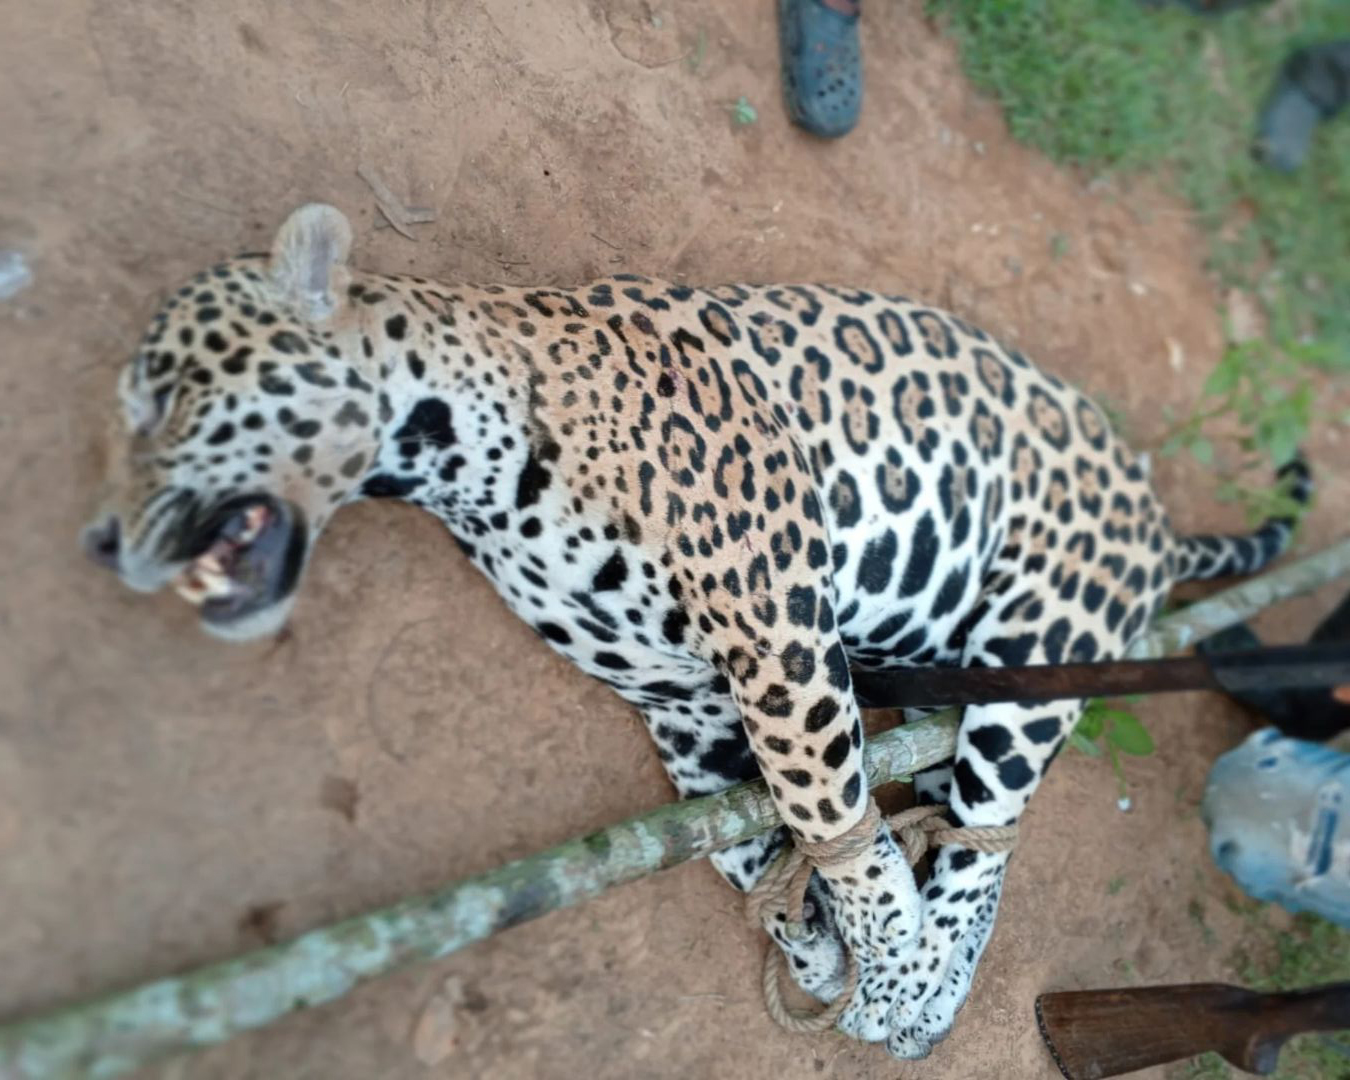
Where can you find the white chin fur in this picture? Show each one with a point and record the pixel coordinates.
(260, 624)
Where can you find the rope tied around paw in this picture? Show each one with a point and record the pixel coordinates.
(782, 891)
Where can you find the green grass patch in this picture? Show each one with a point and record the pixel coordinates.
(1205, 1067)
(1118, 87)
(1311, 952)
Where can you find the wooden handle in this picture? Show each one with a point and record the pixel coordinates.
(1271, 667)
(1099, 1033)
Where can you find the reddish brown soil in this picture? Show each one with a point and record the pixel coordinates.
(166, 800)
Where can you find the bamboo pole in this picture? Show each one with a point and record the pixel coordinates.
(110, 1035)
(1184, 628)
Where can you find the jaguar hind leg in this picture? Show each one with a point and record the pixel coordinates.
(704, 749)
(1003, 751)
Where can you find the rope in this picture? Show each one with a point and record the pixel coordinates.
(782, 891)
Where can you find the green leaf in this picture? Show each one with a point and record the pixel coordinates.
(1129, 736)
(1090, 724)
(1084, 745)
(1224, 377)
(742, 112)
(1202, 450)
(1283, 441)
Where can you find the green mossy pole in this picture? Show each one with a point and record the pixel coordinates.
(118, 1032)
(1184, 628)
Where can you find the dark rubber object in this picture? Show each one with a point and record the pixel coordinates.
(822, 66)
(1311, 714)
(1313, 86)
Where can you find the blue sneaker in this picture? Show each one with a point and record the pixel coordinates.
(1313, 86)
(822, 64)
(1277, 812)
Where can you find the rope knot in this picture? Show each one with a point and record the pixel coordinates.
(781, 891)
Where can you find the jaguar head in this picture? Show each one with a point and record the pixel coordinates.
(249, 414)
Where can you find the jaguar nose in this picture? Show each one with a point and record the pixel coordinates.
(102, 542)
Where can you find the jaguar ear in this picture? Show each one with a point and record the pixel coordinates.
(309, 260)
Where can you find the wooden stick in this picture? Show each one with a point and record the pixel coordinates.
(111, 1035)
(1093, 1034)
(1268, 667)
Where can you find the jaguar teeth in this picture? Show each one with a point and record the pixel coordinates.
(203, 580)
(254, 519)
(206, 577)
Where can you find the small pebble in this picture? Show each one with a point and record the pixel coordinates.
(433, 1036)
(14, 274)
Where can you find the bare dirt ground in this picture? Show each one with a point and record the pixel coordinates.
(166, 800)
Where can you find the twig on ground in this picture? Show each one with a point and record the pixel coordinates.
(398, 215)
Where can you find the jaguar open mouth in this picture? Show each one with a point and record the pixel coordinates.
(245, 557)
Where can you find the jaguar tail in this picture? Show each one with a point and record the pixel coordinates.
(1202, 557)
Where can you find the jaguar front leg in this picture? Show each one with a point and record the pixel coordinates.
(790, 680)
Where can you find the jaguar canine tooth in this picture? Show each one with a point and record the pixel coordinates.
(204, 579)
(254, 520)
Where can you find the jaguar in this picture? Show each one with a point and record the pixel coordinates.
(718, 501)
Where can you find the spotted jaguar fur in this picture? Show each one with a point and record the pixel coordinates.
(715, 500)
